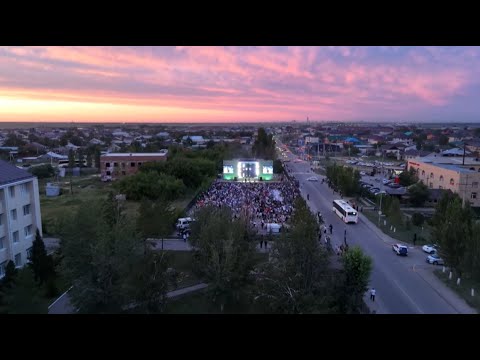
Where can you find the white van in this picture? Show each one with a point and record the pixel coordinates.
(184, 223)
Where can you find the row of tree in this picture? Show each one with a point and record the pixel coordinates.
(344, 178)
(457, 235)
(297, 278)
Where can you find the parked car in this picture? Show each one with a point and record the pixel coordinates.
(400, 249)
(363, 173)
(430, 249)
(435, 260)
(373, 190)
(313, 178)
(394, 185)
(386, 181)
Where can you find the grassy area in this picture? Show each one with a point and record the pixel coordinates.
(86, 189)
(402, 233)
(464, 289)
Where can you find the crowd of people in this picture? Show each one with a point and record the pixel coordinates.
(263, 202)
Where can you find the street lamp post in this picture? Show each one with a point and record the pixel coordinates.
(380, 210)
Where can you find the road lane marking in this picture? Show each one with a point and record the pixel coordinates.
(409, 298)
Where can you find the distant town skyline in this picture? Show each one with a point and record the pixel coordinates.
(239, 84)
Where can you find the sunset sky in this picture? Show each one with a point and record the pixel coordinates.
(239, 84)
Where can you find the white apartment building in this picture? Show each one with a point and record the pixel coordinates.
(19, 214)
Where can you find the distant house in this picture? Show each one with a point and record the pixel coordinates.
(454, 152)
(196, 139)
(413, 154)
(163, 135)
(375, 139)
(473, 145)
(96, 142)
(70, 146)
(120, 134)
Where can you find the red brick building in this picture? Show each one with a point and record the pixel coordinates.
(117, 165)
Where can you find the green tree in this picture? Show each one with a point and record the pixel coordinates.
(71, 159)
(443, 140)
(101, 255)
(277, 166)
(297, 278)
(408, 178)
(155, 219)
(89, 159)
(223, 254)
(452, 230)
(42, 171)
(97, 159)
(10, 274)
(41, 263)
(357, 268)
(418, 194)
(471, 261)
(418, 219)
(23, 296)
(80, 157)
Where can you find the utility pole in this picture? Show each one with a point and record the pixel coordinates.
(380, 211)
(464, 191)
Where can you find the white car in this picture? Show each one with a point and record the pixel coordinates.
(386, 181)
(363, 173)
(430, 249)
(400, 249)
(313, 178)
(435, 260)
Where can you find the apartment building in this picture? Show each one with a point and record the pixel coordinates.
(117, 165)
(19, 214)
(461, 179)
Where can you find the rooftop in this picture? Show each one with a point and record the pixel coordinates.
(163, 153)
(10, 173)
(455, 168)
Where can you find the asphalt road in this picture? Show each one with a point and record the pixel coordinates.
(400, 289)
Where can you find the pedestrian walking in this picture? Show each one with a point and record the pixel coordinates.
(261, 244)
(414, 239)
(373, 292)
(325, 230)
(184, 237)
(331, 229)
(266, 244)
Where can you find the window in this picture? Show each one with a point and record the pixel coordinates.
(28, 230)
(452, 182)
(124, 173)
(431, 185)
(431, 175)
(3, 265)
(139, 164)
(29, 252)
(13, 214)
(423, 172)
(475, 184)
(473, 196)
(132, 164)
(441, 178)
(440, 187)
(26, 209)
(15, 236)
(115, 164)
(107, 164)
(2, 242)
(18, 259)
(24, 189)
(123, 165)
(11, 189)
(109, 173)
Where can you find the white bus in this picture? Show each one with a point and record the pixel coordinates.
(345, 211)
